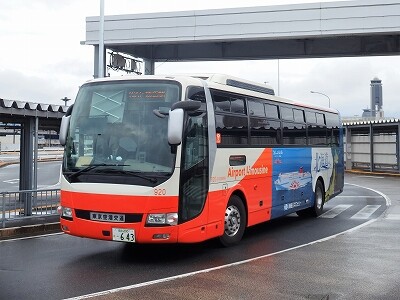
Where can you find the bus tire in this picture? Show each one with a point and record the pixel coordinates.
(234, 222)
(319, 201)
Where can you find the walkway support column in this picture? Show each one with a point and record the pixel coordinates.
(26, 165)
(349, 163)
(371, 148)
(149, 67)
(398, 146)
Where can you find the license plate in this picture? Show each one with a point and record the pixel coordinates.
(123, 235)
(107, 217)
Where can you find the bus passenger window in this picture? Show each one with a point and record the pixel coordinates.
(271, 111)
(317, 135)
(264, 132)
(237, 106)
(320, 119)
(256, 108)
(233, 129)
(298, 115)
(310, 117)
(294, 134)
(286, 113)
(221, 103)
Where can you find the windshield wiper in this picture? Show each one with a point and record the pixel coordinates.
(135, 174)
(90, 167)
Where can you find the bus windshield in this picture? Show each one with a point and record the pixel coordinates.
(115, 133)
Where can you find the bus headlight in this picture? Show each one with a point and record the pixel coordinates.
(162, 219)
(65, 212)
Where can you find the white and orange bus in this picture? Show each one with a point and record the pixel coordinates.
(183, 159)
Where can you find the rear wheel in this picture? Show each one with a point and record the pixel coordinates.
(234, 222)
(319, 201)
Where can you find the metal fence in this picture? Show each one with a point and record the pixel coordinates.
(28, 203)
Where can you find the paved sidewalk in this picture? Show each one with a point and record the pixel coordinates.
(30, 226)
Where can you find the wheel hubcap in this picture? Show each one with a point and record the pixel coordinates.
(232, 220)
(318, 196)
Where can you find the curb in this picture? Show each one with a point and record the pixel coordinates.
(4, 163)
(361, 172)
(21, 231)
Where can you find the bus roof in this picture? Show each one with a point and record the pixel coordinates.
(221, 82)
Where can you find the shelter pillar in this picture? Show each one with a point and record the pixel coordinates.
(398, 146)
(149, 67)
(26, 164)
(371, 148)
(349, 163)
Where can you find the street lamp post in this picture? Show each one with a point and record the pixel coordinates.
(65, 99)
(329, 99)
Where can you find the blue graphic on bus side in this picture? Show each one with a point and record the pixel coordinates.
(292, 180)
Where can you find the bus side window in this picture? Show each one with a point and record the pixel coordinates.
(298, 115)
(265, 132)
(317, 135)
(256, 108)
(320, 119)
(237, 105)
(294, 133)
(286, 113)
(233, 129)
(310, 117)
(221, 102)
(272, 111)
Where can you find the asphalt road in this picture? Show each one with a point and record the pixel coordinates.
(61, 266)
(48, 176)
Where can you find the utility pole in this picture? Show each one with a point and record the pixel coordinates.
(101, 40)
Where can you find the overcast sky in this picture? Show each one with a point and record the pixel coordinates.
(38, 64)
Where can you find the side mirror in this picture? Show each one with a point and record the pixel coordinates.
(175, 126)
(62, 137)
(176, 118)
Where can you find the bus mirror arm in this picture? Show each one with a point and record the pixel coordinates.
(159, 114)
(188, 105)
(174, 149)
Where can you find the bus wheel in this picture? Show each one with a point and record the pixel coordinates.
(319, 201)
(235, 222)
(319, 197)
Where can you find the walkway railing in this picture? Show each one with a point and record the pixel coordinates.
(27, 204)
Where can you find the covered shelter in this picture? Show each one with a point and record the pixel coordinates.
(28, 118)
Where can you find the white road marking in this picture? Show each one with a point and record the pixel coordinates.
(31, 237)
(366, 197)
(12, 181)
(387, 199)
(338, 209)
(393, 217)
(366, 212)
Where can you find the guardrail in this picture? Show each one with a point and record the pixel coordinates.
(28, 204)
